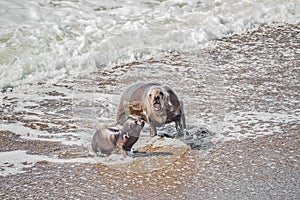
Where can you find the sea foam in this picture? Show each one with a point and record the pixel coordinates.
(50, 40)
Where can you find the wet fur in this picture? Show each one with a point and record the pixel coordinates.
(138, 99)
(106, 140)
(134, 133)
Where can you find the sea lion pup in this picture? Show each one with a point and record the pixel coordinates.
(155, 103)
(106, 140)
(135, 132)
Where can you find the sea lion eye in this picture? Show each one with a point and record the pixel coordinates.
(161, 93)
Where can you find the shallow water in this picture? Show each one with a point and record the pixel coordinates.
(44, 41)
(225, 96)
(241, 98)
(66, 64)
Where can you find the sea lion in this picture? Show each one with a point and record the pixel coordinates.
(155, 103)
(106, 140)
(134, 134)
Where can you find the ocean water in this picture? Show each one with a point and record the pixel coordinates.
(48, 40)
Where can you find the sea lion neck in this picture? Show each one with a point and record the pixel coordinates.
(114, 138)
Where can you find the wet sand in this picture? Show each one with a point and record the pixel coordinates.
(245, 89)
(264, 168)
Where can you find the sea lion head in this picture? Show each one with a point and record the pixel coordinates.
(157, 99)
(121, 138)
(133, 125)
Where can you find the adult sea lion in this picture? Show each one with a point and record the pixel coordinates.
(155, 103)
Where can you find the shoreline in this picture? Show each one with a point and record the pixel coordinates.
(247, 86)
(251, 168)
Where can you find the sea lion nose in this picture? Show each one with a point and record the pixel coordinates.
(157, 97)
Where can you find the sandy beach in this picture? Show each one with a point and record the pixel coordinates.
(242, 103)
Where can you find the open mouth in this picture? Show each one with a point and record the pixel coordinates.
(157, 106)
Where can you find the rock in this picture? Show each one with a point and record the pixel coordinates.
(156, 154)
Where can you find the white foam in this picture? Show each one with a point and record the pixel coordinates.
(242, 125)
(50, 40)
(14, 162)
(67, 138)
